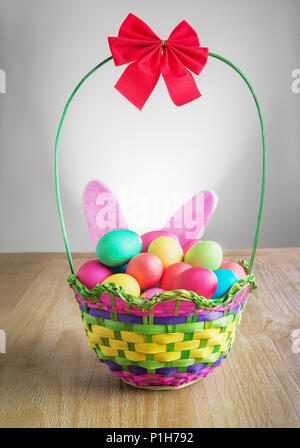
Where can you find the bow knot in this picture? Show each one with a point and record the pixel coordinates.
(149, 57)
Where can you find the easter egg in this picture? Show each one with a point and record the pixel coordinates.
(205, 254)
(151, 292)
(93, 272)
(202, 281)
(188, 244)
(234, 267)
(120, 269)
(148, 237)
(170, 274)
(115, 248)
(167, 249)
(226, 279)
(128, 283)
(146, 268)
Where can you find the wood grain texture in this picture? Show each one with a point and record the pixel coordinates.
(49, 377)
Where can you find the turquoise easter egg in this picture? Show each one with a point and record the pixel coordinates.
(117, 247)
(226, 279)
(205, 254)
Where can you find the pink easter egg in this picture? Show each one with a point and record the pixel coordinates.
(146, 268)
(151, 292)
(200, 280)
(148, 237)
(188, 244)
(93, 272)
(235, 268)
(171, 273)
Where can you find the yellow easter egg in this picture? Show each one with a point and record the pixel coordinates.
(128, 283)
(167, 249)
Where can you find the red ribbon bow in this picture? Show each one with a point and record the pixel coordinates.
(152, 56)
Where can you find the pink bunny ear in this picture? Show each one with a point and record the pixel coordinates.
(102, 210)
(191, 219)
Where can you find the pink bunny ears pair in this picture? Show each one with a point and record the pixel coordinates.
(103, 213)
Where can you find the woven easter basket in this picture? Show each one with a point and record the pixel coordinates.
(175, 338)
(170, 341)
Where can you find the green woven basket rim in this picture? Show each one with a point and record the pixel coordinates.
(115, 290)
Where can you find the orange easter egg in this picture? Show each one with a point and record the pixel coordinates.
(146, 268)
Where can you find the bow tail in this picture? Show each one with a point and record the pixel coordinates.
(139, 79)
(179, 81)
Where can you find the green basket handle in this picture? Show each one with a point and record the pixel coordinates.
(263, 181)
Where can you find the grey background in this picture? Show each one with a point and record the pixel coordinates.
(46, 46)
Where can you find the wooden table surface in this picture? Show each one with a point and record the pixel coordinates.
(49, 376)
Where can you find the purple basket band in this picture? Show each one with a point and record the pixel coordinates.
(140, 371)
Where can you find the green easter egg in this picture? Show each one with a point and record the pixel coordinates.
(117, 247)
(205, 254)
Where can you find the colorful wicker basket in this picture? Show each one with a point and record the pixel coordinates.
(176, 337)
